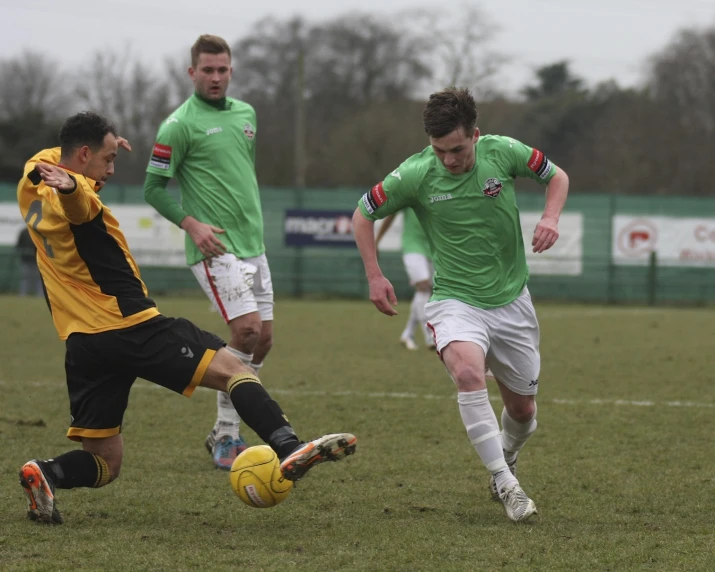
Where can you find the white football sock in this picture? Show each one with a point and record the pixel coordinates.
(419, 301)
(483, 431)
(257, 367)
(515, 434)
(412, 322)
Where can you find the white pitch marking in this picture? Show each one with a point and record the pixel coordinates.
(395, 395)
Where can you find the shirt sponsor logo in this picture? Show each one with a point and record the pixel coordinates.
(172, 120)
(160, 156)
(249, 131)
(213, 130)
(378, 195)
(439, 198)
(539, 164)
(396, 173)
(492, 188)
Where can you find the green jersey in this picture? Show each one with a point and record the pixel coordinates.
(471, 220)
(414, 239)
(212, 154)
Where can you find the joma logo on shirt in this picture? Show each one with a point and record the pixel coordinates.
(438, 198)
(213, 130)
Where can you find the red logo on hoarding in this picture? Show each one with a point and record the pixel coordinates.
(637, 238)
(378, 195)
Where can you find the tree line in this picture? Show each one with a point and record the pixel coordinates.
(339, 103)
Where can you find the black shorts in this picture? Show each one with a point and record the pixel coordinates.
(101, 368)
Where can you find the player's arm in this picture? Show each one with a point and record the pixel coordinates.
(532, 163)
(547, 230)
(171, 147)
(75, 193)
(383, 200)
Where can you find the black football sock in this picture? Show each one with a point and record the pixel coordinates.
(261, 413)
(76, 469)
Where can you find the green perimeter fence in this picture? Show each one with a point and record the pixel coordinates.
(338, 272)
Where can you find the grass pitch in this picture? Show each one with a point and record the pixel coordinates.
(621, 467)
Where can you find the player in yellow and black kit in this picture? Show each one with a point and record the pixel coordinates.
(114, 332)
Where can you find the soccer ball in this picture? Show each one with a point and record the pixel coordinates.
(257, 479)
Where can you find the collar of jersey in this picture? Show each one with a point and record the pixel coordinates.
(220, 105)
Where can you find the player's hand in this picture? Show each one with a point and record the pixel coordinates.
(123, 143)
(382, 294)
(545, 235)
(204, 237)
(55, 177)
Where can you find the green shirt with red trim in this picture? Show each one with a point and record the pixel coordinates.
(212, 154)
(471, 220)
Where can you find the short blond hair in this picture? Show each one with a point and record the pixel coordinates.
(208, 44)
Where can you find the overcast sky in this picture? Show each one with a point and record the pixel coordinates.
(608, 39)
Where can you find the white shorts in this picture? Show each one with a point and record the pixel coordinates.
(237, 286)
(418, 267)
(509, 336)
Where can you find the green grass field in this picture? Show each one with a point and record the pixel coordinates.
(621, 467)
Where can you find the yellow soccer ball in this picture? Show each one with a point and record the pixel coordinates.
(257, 479)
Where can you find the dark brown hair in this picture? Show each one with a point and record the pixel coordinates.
(449, 109)
(85, 128)
(208, 44)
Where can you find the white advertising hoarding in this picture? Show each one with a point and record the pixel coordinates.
(675, 241)
(152, 239)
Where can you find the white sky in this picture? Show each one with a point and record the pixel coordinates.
(608, 39)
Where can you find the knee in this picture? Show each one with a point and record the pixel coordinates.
(468, 377)
(266, 341)
(245, 337)
(522, 411)
(114, 471)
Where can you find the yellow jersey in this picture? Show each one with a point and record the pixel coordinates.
(92, 281)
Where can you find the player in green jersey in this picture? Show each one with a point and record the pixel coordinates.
(417, 259)
(209, 145)
(461, 188)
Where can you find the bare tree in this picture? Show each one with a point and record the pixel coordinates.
(132, 95)
(33, 102)
(456, 46)
(681, 81)
(31, 82)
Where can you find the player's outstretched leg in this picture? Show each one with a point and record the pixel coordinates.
(266, 418)
(307, 455)
(40, 492)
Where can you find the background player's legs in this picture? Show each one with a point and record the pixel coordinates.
(419, 271)
(232, 284)
(407, 337)
(263, 346)
(423, 291)
(224, 442)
